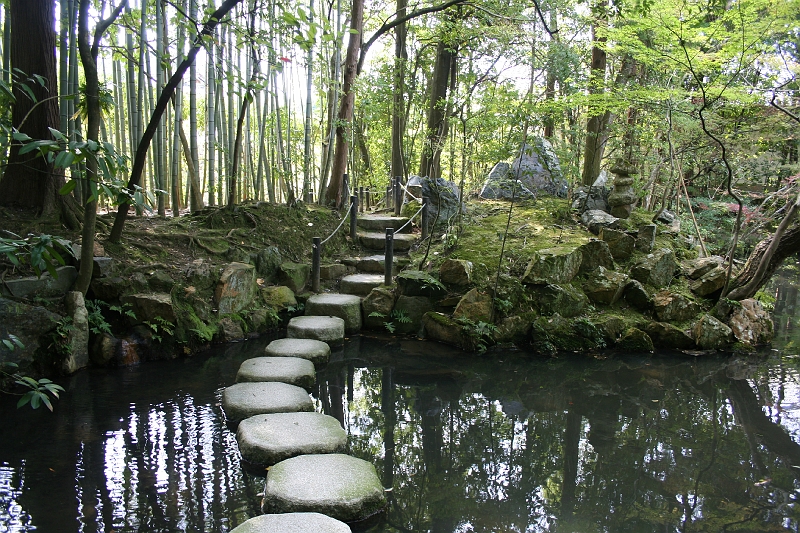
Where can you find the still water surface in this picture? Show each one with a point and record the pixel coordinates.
(505, 442)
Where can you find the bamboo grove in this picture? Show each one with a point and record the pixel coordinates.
(445, 89)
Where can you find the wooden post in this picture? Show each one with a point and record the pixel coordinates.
(388, 257)
(424, 222)
(316, 247)
(353, 217)
(398, 197)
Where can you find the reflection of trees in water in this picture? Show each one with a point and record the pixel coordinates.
(578, 446)
(787, 303)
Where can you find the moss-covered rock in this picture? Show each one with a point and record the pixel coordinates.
(553, 266)
(418, 283)
(673, 307)
(456, 272)
(751, 324)
(413, 308)
(236, 288)
(377, 307)
(294, 275)
(669, 336)
(279, 297)
(475, 306)
(619, 243)
(442, 328)
(604, 286)
(595, 254)
(635, 340)
(711, 334)
(565, 300)
(657, 269)
(562, 334)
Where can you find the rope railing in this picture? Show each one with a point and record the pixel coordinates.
(401, 228)
(410, 193)
(316, 242)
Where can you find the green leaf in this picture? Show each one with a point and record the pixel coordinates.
(19, 136)
(64, 160)
(24, 400)
(68, 187)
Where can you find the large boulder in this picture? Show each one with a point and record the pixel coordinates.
(412, 309)
(377, 307)
(556, 333)
(619, 243)
(637, 296)
(666, 335)
(564, 299)
(442, 328)
(512, 329)
(697, 268)
(456, 272)
(673, 307)
(30, 323)
(279, 297)
(474, 306)
(594, 198)
(443, 198)
(538, 168)
(148, 307)
(750, 323)
(45, 286)
(646, 238)
(711, 334)
(236, 288)
(294, 275)
(656, 269)
(199, 275)
(595, 253)
(500, 185)
(418, 283)
(268, 262)
(709, 283)
(635, 340)
(553, 266)
(595, 220)
(604, 286)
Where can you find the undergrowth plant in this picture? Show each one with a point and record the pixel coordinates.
(38, 390)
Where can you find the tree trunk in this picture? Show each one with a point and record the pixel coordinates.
(334, 193)
(436, 131)
(211, 112)
(308, 117)
(593, 149)
(398, 93)
(30, 181)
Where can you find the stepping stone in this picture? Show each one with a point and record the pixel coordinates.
(291, 370)
(360, 284)
(244, 400)
(381, 222)
(292, 523)
(317, 352)
(375, 264)
(328, 329)
(268, 439)
(337, 485)
(377, 241)
(345, 306)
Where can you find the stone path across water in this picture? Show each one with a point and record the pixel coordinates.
(316, 351)
(328, 329)
(244, 400)
(293, 523)
(291, 370)
(268, 439)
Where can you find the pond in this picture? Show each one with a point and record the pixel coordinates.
(506, 442)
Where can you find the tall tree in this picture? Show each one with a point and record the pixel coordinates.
(595, 125)
(437, 121)
(29, 180)
(345, 117)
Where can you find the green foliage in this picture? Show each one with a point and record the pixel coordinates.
(482, 333)
(97, 322)
(38, 391)
(160, 324)
(396, 315)
(41, 252)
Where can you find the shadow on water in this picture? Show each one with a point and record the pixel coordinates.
(496, 443)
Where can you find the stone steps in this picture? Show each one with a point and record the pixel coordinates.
(360, 284)
(379, 223)
(311, 485)
(377, 241)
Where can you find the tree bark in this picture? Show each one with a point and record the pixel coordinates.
(334, 192)
(398, 93)
(437, 112)
(593, 149)
(757, 272)
(29, 180)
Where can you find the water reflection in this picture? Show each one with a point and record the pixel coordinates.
(501, 443)
(642, 444)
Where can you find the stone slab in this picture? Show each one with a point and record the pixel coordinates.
(377, 241)
(268, 439)
(328, 329)
(345, 306)
(340, 486)
(291, 370)
(375, 264)
(360, 284)
(317, 352)
(244, 400)
(381, 222)
(292, 523)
